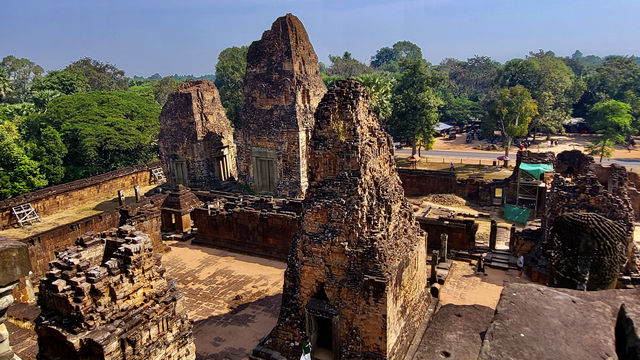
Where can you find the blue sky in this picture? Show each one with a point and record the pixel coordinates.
(185, 36)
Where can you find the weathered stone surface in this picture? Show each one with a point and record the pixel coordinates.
(586, 251)
(14, 264)
(282, 88)
(14, 261)
(538, 322)
(355, 283)
(196, 138)
(107, 298)
(456, 332)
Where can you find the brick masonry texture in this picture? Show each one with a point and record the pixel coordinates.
(359, 257)
(282, 88)
(194, 130)
(107, 298)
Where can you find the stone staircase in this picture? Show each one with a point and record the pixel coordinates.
(500, 259)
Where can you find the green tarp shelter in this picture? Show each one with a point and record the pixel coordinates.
(516, 214)
(536, 169)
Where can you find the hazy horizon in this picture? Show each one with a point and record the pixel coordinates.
(185, 37)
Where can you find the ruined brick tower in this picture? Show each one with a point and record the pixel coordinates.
(282, 88)
(196, 138)
(355, 284)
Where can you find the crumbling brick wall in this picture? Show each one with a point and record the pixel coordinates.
(359, 257)
(107, 298)
(282, 88)
(259, 226)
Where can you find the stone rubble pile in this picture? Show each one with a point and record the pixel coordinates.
(107, 298)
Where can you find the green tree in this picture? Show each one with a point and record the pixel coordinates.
(415, 103)
(617, 78)
(44, 145)
(21, 73)
(104, 131)
(551, 83)
(100, 76)
(41, 98)
(63, 81)
(230, 71)
(461, 111)
(390, 58)
(346, 66)
(612, 121)
(511, 112)
(380, 89)
(18, 173)
(473, 78)
(163, 87)
(5, 85)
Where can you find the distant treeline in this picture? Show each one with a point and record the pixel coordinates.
(157, 76)
(89, 118)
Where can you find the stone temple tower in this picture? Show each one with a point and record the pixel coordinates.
(356, 281)
(196, 138)
(282, 88)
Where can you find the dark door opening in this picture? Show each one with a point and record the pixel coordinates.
(322, 338)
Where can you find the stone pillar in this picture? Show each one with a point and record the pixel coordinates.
(493, 235)
(121, 197)
(444, 238)
(14, 264)
(136, 189)
(512, 237)
(435, 257)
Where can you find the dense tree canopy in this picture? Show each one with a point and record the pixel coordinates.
(18, 173)
(100, 76)
(230, 71)
(103, 131)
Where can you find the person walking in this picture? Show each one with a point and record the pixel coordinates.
(520, 264)
(452, 168)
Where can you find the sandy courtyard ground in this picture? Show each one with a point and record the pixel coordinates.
(465, 287)
(565, 142)
(233, 299)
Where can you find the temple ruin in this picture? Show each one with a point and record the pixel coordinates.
(196, 138)
(107, 298)
(317, 187)
(282, 88)
(356, 277)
